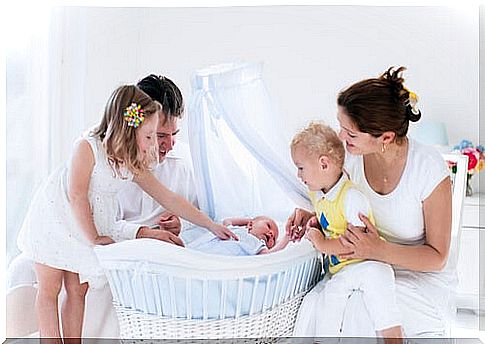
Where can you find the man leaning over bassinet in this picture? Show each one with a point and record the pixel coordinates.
(138, 217)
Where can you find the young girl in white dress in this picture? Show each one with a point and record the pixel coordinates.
(75, 208)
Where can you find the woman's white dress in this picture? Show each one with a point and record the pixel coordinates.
(50, 234)
(422, 297)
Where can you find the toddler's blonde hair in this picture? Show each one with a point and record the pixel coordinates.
(319, 139)
(118, 138)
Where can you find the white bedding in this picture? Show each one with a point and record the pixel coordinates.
(157, 278)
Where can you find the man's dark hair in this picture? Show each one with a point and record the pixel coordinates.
(164, 91)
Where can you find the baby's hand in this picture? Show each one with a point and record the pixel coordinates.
(226, 222)
(223, 232)
(314, 235)
(103, 240)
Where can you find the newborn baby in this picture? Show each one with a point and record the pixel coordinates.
(256, 235)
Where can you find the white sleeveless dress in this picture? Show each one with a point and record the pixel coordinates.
(50, 234)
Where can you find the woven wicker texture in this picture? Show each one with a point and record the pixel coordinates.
(278, 322)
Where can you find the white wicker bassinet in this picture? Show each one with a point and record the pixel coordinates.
(165, 291)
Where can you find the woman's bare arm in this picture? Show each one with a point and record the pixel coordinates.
(431, 256)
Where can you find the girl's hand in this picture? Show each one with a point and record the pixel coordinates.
(295, 226)
(223, 232)
(314, 235)
(364, 242)
(103, 240)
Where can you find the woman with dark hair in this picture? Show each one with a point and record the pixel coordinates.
(409, 190)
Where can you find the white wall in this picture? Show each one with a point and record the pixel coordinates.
(310, 53)
(59, 83)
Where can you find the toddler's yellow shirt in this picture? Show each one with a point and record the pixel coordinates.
(331, 216)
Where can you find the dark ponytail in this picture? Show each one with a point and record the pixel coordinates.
(381, 104)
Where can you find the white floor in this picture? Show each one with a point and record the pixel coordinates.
(468, 324)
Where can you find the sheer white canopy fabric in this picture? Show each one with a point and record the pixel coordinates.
(233, 134)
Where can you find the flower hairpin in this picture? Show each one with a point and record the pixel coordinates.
(412, 101)
(134, 115)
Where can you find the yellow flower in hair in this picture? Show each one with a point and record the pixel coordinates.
(134, 115)
(412, 101)
(413, 97)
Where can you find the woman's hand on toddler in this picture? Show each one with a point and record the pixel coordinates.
(102, 240)
(364, 242)
(223, 232)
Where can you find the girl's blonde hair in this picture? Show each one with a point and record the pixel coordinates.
(319, 139)
(119, 139)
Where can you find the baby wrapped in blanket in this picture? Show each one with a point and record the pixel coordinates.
(256, 235)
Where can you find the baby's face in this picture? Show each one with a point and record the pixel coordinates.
(265, 229)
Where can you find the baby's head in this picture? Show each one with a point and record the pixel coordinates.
(128, 129)
(264, 228)
(319, 155)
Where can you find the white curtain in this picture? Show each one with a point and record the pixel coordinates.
(240, 166)
(44, 102)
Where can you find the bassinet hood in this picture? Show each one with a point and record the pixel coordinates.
(232, 131)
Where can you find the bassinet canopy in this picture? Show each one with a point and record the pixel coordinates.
(233, 132)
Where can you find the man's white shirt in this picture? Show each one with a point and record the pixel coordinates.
(136, 208)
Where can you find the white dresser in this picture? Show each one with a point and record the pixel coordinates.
(471, 286)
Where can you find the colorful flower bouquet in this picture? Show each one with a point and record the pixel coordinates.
(476, 160)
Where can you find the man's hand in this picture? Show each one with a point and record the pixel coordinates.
(170, 222)
(159, 234)
(103, 240)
